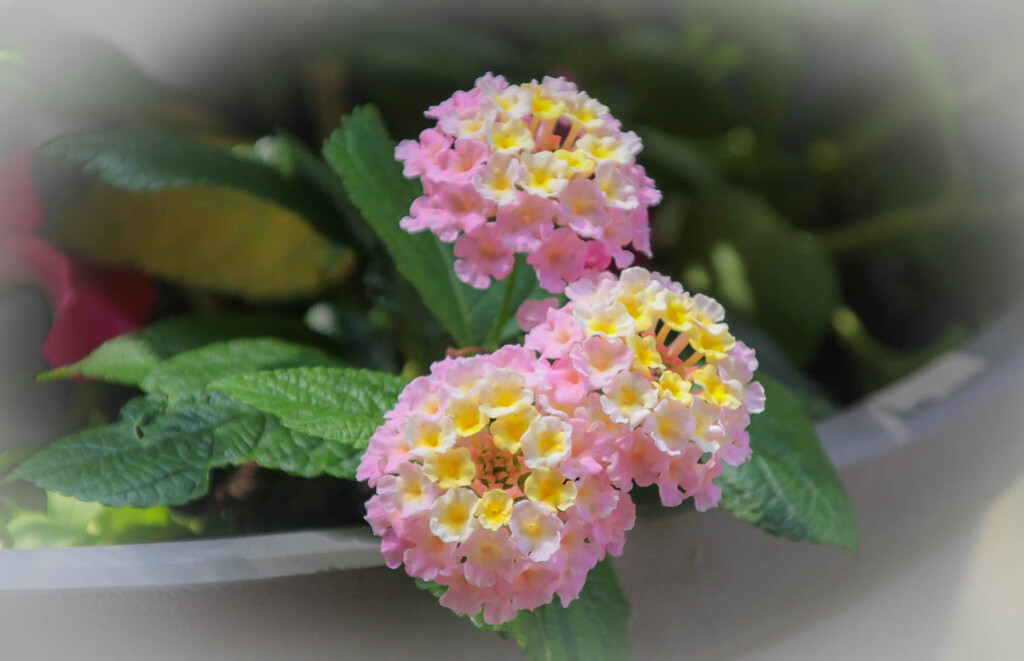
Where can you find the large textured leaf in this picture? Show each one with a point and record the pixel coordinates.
(195, 369)
(788, 487)
(220, 239)
(362, 152)
(143, 158)
(162, 456)
(594, 627)
(779, 277)
(344, 405)
(127, 359)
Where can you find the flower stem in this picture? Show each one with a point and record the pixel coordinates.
(506, 303)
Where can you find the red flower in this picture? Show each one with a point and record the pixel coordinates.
(91, 304)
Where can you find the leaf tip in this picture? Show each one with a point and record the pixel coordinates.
(58, 374)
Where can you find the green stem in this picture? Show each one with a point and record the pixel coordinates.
(506, 303)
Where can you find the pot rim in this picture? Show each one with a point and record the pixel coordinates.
(928, 399)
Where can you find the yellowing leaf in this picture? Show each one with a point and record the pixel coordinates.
(204, 237)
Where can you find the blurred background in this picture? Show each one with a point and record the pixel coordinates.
(846, 176)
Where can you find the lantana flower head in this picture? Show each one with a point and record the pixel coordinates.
(669, 391)
(504, 476)
(478, 488)
(541, 169)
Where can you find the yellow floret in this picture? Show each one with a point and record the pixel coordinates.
(512, 135)
(609, 320)
(546, 442)
(645, 349)
(509, 429)
(678, 312)
(501, 397)
(714, 342)
(450, 469)
(674, 386)
(451, 517)
(546, 107)
(425, 436)
(637, 307)
(716, 391)
(466, 416)
(549, 487)
(494, 509)
(578, 161)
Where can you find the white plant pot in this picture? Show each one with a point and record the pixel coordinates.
(920, 460)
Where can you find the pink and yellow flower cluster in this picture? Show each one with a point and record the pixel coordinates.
(486, 489)
(540, 168)
(504, 476)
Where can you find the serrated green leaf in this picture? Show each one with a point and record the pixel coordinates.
(789, 487)
(362, 152)
(780, 278)
(595, 627)
(343, 405)
(157, 456)
(127, 359)
(143, 158)
(195, 369)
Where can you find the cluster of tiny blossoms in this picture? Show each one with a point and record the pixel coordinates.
(668, 390)
(482, 488)
(504, 476)
(539, 168)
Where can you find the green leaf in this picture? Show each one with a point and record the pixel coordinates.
(343, 405)
(142, 158)
(195, 369)
(789, 487)
(595, 627)
(307, 168)
(780, 278)
(363, 153)
(162, 456)
(127, 359)
(218, 239)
